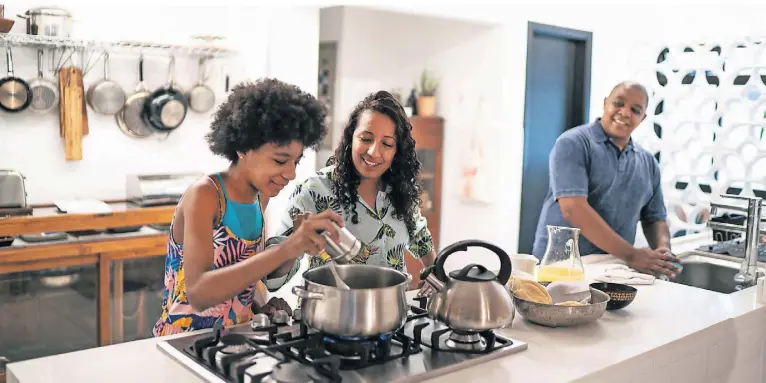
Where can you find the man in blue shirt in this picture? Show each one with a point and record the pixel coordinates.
(604, 184)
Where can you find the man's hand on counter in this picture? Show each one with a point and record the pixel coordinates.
(655, 262)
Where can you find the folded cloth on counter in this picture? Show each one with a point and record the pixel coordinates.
(83, 206)
(625, 275)
(563, 291)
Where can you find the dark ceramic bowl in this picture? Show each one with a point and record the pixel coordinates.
(620, 295)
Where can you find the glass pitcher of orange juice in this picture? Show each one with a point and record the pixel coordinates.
(561, 261)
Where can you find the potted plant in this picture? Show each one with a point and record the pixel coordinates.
(427, 97)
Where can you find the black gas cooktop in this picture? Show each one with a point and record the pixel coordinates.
(292, 352)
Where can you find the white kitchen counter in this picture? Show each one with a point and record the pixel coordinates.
(670, 333)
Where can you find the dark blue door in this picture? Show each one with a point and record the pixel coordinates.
(555, 88)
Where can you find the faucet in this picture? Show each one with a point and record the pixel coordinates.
(748, 272)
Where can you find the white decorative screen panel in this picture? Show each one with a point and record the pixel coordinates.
(705, 122)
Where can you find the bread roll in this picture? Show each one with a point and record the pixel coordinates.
(530, 291)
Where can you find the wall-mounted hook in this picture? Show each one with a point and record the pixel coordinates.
(68, 59)
(88, 66)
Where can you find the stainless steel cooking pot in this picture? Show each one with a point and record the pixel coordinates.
(374, 305)
(48, 21)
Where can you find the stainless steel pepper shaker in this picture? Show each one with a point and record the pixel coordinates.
(346, 249)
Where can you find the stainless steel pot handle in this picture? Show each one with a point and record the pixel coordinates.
(302, 293)
(409, 278)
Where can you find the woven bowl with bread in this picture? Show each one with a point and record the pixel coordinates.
(535, 304)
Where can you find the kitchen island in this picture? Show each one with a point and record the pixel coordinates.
(670, 333)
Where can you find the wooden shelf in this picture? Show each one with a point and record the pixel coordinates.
(17, 257)
(428, 133)
(49, 220)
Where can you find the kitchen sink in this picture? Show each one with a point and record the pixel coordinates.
(711, 272)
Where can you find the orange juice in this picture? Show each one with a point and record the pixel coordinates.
(558, 273)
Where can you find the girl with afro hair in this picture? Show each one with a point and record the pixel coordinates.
(217, 268)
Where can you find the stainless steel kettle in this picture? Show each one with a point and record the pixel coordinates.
(472, 299)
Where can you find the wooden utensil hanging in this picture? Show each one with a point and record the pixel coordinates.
(62, 85)
(74, 120)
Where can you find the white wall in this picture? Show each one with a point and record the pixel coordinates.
(331, 31)
(330, 24)
(277, 41)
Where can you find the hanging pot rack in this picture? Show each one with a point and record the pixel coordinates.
(205, 49)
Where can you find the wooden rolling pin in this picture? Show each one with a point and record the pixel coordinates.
(72, 113)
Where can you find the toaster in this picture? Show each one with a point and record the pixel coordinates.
(13, 194)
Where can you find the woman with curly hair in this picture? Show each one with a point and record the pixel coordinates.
(371, 181)
(216, 269)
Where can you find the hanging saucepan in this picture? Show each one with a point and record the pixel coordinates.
(201, 97)
(45, 93)
(129, 117)
(226, 79)
(15, 94)
(165, 108)
(106, 96)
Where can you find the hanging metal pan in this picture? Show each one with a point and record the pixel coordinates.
(165, 108)
(201, 97)
(45, 93)
(129, 117)
(15, 94)
(106, 96)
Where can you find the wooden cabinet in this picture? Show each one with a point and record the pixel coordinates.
(429, 137)
(81, 292)
(48, 312)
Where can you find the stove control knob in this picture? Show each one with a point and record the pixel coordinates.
(259, 321)
(297, 315)
(280, 317)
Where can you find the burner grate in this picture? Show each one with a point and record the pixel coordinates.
(438, 338)
(353, 354)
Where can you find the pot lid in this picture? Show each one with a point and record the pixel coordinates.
(473, 273)
(48, 11)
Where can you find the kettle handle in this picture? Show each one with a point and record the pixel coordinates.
(505, 261)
